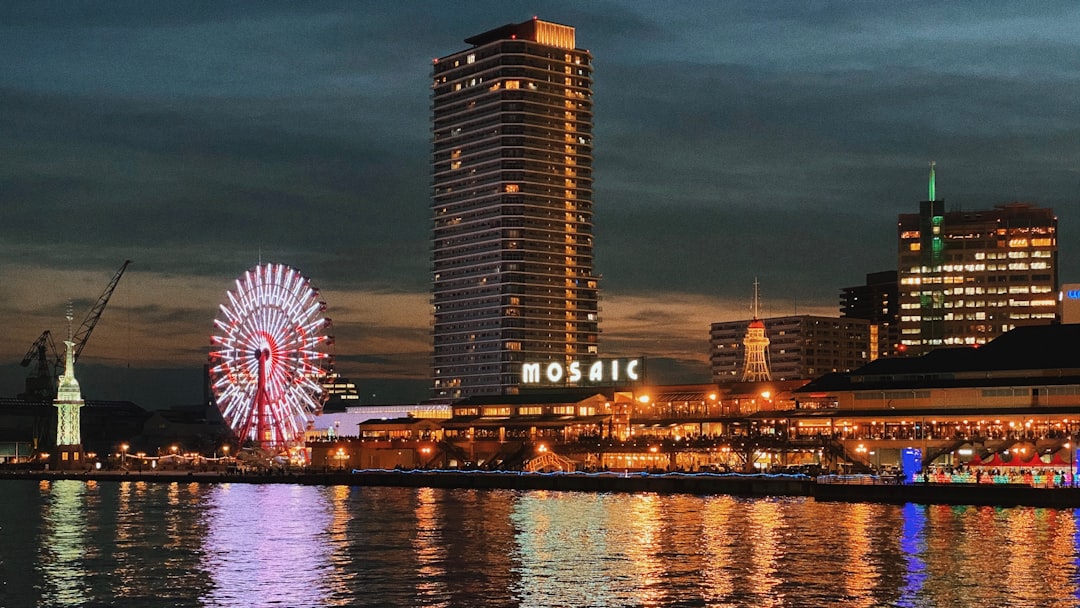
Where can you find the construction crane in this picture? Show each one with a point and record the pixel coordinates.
(41, 384)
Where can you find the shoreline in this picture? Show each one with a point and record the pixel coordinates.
(756, 486)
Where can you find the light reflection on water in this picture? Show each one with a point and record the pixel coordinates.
(70, 543)
(65, 584)
(266, 545)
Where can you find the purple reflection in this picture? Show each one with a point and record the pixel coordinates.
(912, 545)
(266, 545)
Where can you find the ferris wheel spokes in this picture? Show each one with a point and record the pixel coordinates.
(269, 355)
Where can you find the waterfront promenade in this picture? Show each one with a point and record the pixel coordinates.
(855, 488)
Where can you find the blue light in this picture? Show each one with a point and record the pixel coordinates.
(910, 463)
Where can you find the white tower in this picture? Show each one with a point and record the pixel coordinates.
(756, 342)
(68, 403)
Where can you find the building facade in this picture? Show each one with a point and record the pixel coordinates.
(1012, 405)
(801, 347)
(512, 237)
(878, 301)
(1069, 298)
(967, 277)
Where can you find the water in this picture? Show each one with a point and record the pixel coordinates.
(71, 543)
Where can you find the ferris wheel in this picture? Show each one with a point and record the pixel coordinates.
(269, 355)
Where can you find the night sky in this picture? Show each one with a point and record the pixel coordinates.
(733, 140)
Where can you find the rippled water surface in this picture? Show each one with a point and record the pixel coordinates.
(72, 543)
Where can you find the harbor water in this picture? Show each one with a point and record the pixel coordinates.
(139, 543)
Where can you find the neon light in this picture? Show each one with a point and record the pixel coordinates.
(605, 371)
(269, 356)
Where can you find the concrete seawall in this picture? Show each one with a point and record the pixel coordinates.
(951, 494)
(736, 485)
(672, 483)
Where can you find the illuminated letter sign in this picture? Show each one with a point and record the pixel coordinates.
(1073, 294)
(578, 373)
(596, 372)
(530, 373)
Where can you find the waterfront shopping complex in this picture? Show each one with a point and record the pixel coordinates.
(1007, 411)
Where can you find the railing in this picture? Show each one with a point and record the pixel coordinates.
(859, 480)
(1054, 479)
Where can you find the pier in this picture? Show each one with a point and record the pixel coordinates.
(848, 489)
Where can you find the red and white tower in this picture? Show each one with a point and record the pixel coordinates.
(756, 342)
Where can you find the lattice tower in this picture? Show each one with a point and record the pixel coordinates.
(756, 345)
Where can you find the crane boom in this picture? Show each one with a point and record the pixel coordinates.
(87, 327)
(40, 350)
(41, 384)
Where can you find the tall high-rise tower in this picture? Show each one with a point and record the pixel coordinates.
(68, 403)
(756, 367)
(512, 206)
(967, 277)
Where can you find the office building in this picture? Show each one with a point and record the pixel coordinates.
(878, 301)
(512, 243)
(800, 347)
(1069, 299)
(967, 277)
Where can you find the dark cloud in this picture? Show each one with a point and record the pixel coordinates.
(734, 140)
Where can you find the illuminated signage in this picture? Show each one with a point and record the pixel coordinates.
(1073, 294)
(597, 372)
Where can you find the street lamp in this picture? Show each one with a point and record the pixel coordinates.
(123, 455)
(1068, 454)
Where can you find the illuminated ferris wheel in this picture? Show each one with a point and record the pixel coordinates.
(269, 355)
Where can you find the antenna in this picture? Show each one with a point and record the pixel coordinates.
(933, 194)
(755, 305)
(69, 317)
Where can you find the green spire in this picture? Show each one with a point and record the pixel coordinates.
(932, 193)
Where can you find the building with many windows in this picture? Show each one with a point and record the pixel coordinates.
(967, 277)
(512, 237)
(800, 347)
(1012, 405)
(878, 302)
